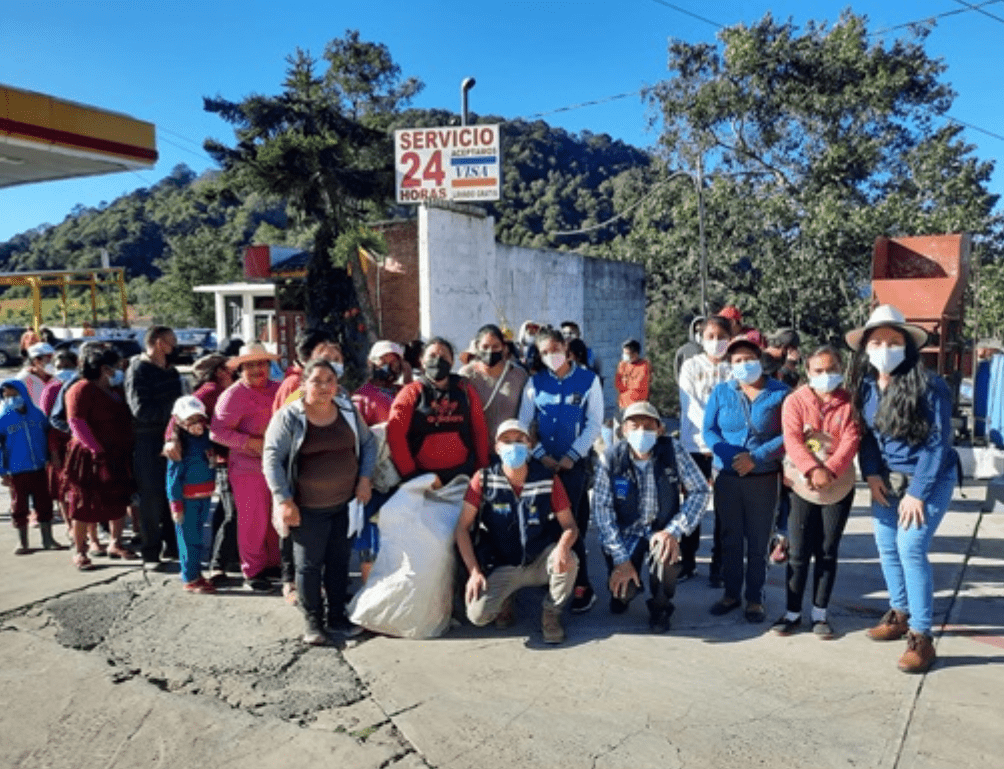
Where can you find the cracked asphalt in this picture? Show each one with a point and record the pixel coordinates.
(117, 668)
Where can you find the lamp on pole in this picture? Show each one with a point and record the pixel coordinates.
(466, 85)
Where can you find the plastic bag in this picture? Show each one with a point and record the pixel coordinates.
(409, 592)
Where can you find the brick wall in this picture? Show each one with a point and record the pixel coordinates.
(397, 306)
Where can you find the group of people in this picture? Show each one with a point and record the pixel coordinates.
(300, 469)
(782, 459)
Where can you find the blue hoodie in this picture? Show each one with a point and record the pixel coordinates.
(23, 444)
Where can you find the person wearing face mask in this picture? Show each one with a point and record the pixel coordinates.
(691, 347)
(311, 343)
(152, 385)
(742, 427)
(508, 509)
(907, 458)
(38, 370)
(821, 437)
(637, 508)
(23, 459)
(565, 400)
(99, 458)
(437, 423)
(698, 376)
(634, 375)
(190, 485)
(497, 380)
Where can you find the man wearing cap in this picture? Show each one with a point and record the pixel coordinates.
(781, 356)
(510, 507)
(38, 370)
(152, 385)
(375, 397)
(637, 509)
(310, 343)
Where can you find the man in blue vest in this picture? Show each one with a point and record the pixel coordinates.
(509, 507)
(565, 400)
(637, 509)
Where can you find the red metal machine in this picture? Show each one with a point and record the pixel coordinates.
(925, 277)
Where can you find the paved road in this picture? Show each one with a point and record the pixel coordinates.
(115, 668)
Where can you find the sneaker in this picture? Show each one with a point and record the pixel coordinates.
(582, 600)
(550, 625)
(919, 654)
(200, 586)
(218, 577)
(315, 635)
(723, 606)
(659, 616)
(891, 627)
(754, 613)
(258, 585)
(344, 628)
(779, 553)
(823, 630)
(507, 615)
(785, 626)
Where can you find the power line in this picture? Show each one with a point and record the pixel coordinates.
(691, 14)
(200, 155)
(931, 19)
(591, 103)
(972, 7)
(177, 135)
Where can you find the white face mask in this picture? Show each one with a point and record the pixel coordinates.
(554, 360)
(625, 357)
(715, 348)
(50, 369)
(747, 371)
(886, 359)
(339, 368)
(826, 382)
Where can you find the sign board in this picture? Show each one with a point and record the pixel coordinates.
(462, 163)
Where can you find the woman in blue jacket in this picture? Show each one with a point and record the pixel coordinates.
(906, 456)
(742, 427)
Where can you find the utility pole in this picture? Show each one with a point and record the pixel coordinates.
(700, 223)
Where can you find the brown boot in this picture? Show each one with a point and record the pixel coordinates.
(891, 627)
(919, 654)
(550, 625)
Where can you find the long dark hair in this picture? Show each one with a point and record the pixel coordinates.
(902, 413)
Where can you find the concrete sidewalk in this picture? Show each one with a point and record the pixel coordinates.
(713, 692)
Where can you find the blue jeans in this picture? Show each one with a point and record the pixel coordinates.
(190, 548)
(903, 553)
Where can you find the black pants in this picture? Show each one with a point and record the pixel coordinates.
(224, 526)
(575, 482)
(691, 543)
(155, 524)
(814, 532)
(661, 579)
(745, 505)
(322, 549)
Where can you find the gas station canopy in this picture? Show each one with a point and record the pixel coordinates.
(44, 138)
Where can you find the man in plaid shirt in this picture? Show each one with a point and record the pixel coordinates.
(637, 509)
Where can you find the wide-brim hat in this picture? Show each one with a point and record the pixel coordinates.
(640, 409)
(251, 352)
(886, 315)
(205, 366)
(749, 339)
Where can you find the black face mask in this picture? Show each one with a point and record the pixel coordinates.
(385, 374)
(437, 368)
(173, 357)
(490, 357)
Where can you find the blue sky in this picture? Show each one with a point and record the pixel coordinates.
(156, 60)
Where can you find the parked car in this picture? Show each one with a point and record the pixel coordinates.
(10, 345)
(194, 343)
(127, 348)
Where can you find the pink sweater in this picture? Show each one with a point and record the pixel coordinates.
(835, 417)
(242, 413)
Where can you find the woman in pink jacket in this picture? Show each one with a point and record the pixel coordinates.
(242, 414)
(821, 437)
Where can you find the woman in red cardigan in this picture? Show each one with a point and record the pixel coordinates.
(821, 437)
(437, 423)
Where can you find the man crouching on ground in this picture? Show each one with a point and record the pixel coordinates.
(637, 509)
(511, 507)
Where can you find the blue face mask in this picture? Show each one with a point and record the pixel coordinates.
(825, 383)
(608, 435)
(65, 374)
(117, 378)
(513, 455)
(642, 441)
(747, 371)
(16, 402)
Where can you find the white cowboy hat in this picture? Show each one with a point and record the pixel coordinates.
(250, 352)
(886, 315)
